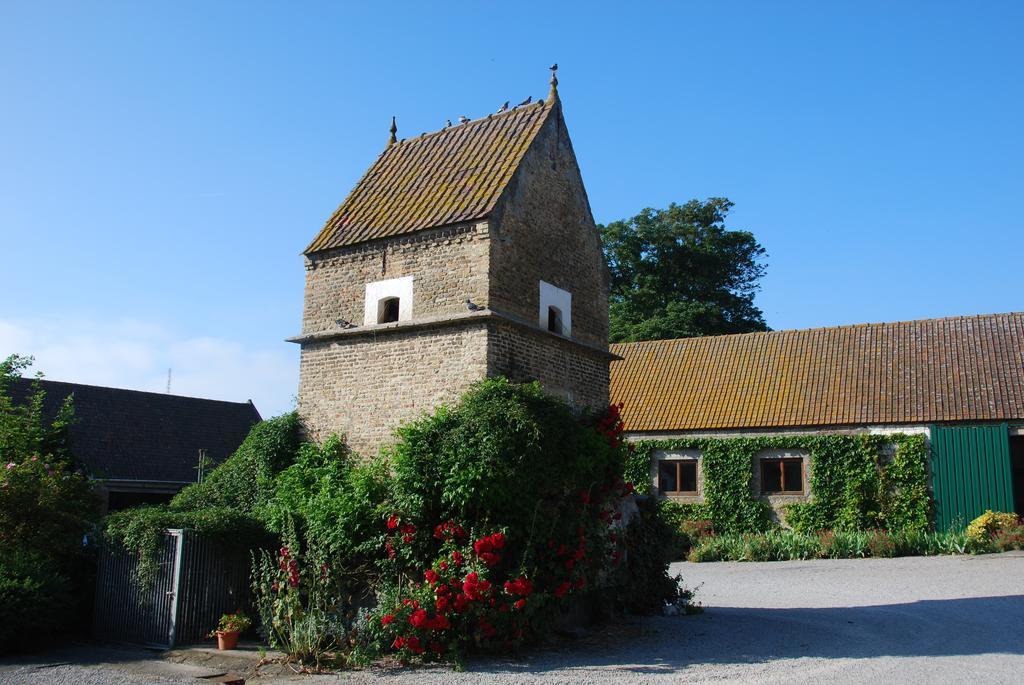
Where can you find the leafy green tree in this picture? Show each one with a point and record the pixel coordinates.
(46, 507)
(679, 272)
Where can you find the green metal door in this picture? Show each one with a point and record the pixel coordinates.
(970, 473)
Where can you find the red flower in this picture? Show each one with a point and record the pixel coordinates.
(561, 590)
(461, 603)
(443, 565)
(474, 587)
(490, 559)
(520, 604)
(520, 586)
(442, 604)
(284, 552)
(413, 643)
(458, 559)
(398, 643)
(431, 576)
(498, 540)
(580, 582)
(386, 619)
(449, 531)
(392, 522)
(390, 549)
(580, 553)
(418, 618)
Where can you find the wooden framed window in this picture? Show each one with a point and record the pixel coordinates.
(677, 476)
(782, 476)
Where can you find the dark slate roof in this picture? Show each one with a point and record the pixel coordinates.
(131, 435)
(438, 179)
(964, 368)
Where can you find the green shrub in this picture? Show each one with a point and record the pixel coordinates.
(245, 481)
(224, 507)
(647, 559)
(504, 509)
(35, 599)
(332, 499)
(47, 508)
(788, 545)
(306, 601)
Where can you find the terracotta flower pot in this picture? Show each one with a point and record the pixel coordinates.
(227, 640)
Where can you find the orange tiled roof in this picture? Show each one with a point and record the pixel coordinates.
(442, 178)
(968, 368)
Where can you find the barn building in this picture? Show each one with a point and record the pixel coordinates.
(143, 447)
(959, 381)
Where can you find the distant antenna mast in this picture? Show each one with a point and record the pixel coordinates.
(168, 381)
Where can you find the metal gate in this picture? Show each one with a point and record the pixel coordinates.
(196, 581)
(970, 473)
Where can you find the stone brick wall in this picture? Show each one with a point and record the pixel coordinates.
(448, 265)
(542, 229)
(565, 369)
(365, 386)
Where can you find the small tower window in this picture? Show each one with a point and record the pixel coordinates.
(555, 320)
(555, 313)
(388, 301)
(387, 310)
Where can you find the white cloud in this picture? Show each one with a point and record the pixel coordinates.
(135, 354)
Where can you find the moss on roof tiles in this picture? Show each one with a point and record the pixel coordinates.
(954, 369)
(438, 179)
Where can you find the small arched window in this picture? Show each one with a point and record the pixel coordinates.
(387, 310)
(555, 320)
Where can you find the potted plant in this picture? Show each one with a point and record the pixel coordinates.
(229, 627)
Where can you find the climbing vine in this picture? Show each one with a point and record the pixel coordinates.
(857, 482)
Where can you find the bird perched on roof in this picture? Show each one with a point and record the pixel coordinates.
(448, 123)
(527, 101)
(463, 118)
(554, 67)
(344, 323)
(472, 306)
(503, 108)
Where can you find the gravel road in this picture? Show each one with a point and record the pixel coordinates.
(914, 620)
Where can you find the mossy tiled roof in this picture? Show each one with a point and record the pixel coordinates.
(954, 369)
(437, 179)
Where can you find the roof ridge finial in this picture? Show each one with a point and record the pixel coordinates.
(553, 95)
(394, 129)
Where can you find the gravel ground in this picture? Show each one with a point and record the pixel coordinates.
(913, 620)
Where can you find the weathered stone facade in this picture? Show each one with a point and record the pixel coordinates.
(364, 381)
(365, 386)
(448, 265)
(543, 230)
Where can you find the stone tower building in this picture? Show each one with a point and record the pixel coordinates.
(461, 254)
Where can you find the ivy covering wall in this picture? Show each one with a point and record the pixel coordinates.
(857, 482)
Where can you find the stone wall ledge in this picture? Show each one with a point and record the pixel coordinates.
(442, 320)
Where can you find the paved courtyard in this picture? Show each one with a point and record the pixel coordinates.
(914, 620)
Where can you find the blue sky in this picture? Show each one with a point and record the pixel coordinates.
(162, 165)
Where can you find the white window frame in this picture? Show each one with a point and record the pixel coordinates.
(378, 291)
(552, 296)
